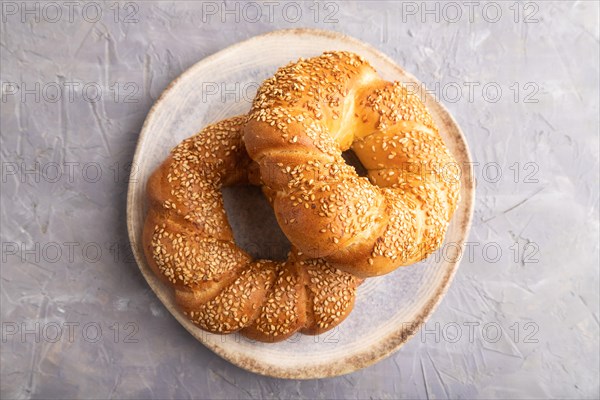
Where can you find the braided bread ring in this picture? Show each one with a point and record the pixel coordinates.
(300, 122)
(189, 243)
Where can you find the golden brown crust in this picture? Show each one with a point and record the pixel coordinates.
(188, 242)
(301, 121)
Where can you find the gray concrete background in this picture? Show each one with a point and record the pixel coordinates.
(521, 317)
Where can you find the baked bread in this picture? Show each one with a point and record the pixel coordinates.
(301, 121)
(189, 243)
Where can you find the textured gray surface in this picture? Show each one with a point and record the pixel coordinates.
(66, 267)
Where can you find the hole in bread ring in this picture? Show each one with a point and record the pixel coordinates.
(253, 222)
(305, 117)
(352, 160)
(189, 243)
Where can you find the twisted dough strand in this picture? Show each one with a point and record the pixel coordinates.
(189, 243)
(300, 122)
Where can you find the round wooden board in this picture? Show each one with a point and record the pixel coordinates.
(389, 309)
